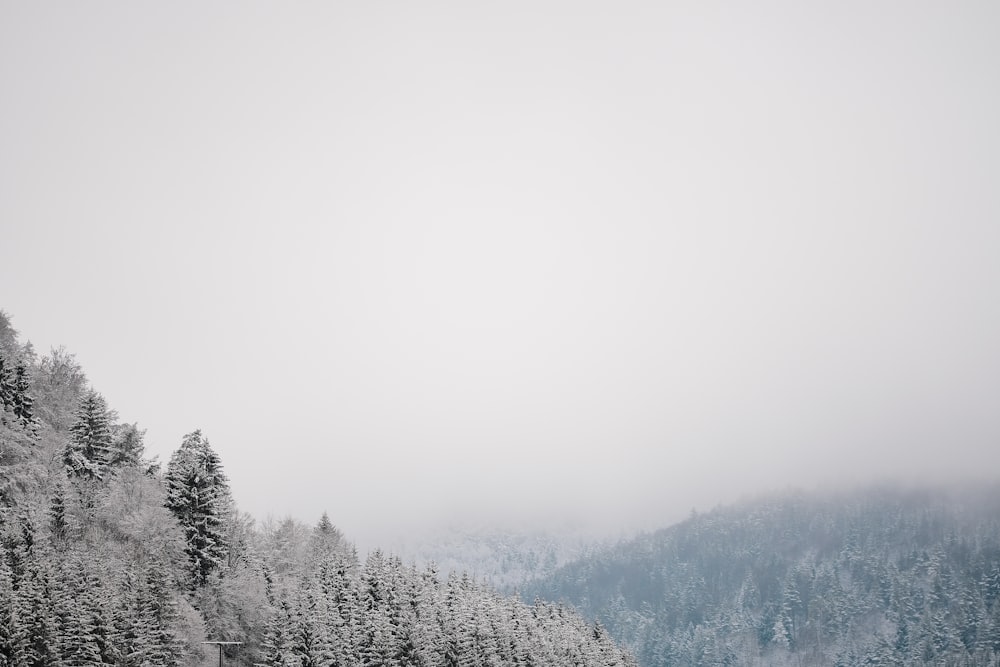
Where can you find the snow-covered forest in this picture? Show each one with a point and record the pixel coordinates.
(108, 558)
(503, 557)
(878, 576)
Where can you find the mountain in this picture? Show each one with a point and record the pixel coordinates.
(879, 576)
(107, 558)
(503, 556)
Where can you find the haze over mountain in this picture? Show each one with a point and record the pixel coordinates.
(108, 558)
(537, 260)
(878, 576)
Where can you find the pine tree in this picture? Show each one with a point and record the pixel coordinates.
(277, 641)
(13, 634)
(325, 539)
(89, 448)
(6, 385)
(198, 495)
(23, 403)
(78, 633)
(428, 636)
(341, 598)
(130, 626)
(379, 639)
(35, 595)
(309, 639)
(991, 586)
(156, 603)
(58, 524)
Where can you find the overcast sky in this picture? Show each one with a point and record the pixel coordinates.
(401, 261)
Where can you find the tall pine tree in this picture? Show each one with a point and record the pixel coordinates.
(23, 402)
(89, 448)
(198, 495)
(6, 385)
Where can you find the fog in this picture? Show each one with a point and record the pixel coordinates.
(416, 262)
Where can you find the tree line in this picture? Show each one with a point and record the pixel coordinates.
(110, 558)
(880, 576)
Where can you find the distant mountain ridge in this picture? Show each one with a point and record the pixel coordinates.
(881, 576)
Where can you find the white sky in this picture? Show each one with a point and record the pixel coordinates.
(406, 260)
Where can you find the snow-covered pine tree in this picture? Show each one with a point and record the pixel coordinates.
(58, 523)
(35, 601)
(87, 453)
(458, 620)
(277, 640)
(6, 385)
(23, 402)
(325, 539)
(379, 639)
(341, 598)
(198, 495)
(427, 636)
(156, 602)
(13, 634)
(309, 638)
(101, 596)
(77, 632)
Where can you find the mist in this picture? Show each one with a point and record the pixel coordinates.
(555, 262)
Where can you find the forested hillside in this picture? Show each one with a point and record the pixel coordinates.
(504, 558)
(107, 558)
(879, 577)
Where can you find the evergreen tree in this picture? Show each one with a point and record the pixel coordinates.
(427, 637)
(88, 451)
(309, 638)
(325, 539)
(13, 634)
(6, 385)
(23, 403)
(78, 633)
(277, 640)
(341, 599)
(157, 605)
(198, 495)
(991, 586)
(35, 596)
(58, 524)
(379, 640)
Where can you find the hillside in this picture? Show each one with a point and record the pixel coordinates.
(878, 577)
(107, 558)
(502, 556)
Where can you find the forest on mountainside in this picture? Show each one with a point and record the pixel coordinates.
(879, 576)
(108, 558)
(503, 557)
